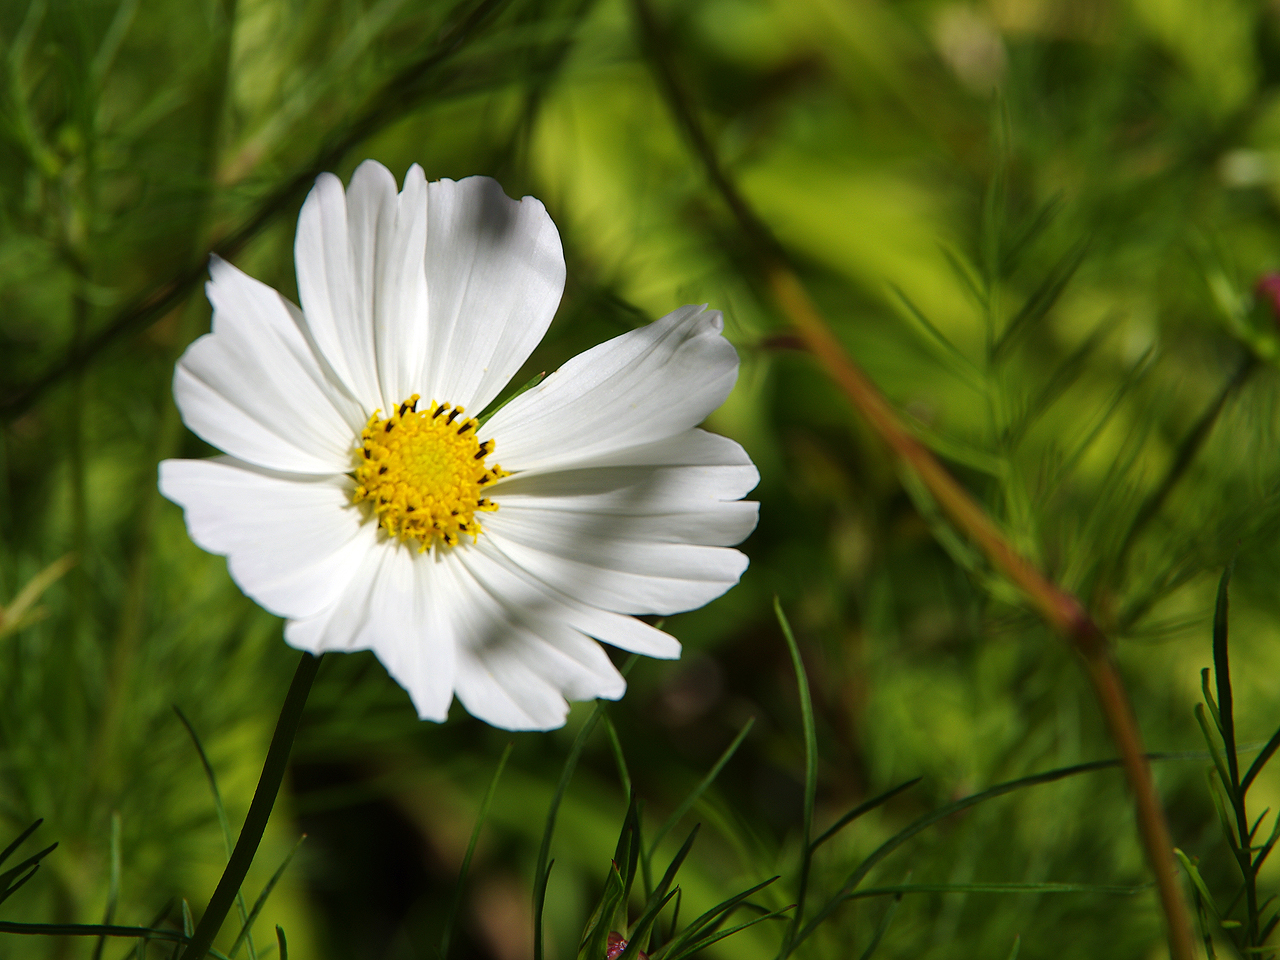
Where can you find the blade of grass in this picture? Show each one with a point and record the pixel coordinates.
(690, 933)
(705, 942)
(262, 900)
(883, 926)
(33, 860)
(9, 889)
(929, 819)
(616, 746)
(98, 930)
(255, 822)
(810, 777)
(687, 804)
(483, 814)
(113, 889)
(140, 951)
(1043, 887)
(644, 925)
(228, 839)
(542, 871)
(8, 851)
(595, 936)
(863, 808)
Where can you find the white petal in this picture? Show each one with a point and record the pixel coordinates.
(495, 272)
(334, 252)
(401, 605)
(624, 576)
(499, 575)
(400, 302)
(516, 665)
(255, 388)
(643, 386)
(684, 489)
(292, 542)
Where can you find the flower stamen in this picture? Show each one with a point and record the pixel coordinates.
(423, 475)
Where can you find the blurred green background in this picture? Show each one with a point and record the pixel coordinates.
(1036, 224)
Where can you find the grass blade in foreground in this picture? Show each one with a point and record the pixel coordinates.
(255, 822)
(810, 778)
(471, 849)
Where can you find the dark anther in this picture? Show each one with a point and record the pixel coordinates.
(465, 427)
(367, 453)
(390, 424)
(485, 479)
(482, 452)
(452, 416)
(382, 470)
(439, 410)
(410, 509)
(453, 513)
(403, 408)
(382, 499)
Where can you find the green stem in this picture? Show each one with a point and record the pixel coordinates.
(255, 822)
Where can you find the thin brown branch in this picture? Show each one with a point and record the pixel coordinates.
(396, 98)
(1062, 611)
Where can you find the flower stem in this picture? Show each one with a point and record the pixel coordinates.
(1060, 609)
(255, 822)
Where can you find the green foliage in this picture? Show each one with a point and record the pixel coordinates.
(1243, 920)
(1038, 226)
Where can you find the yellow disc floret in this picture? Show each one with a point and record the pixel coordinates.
(423, 472)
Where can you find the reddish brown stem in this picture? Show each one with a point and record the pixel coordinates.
(1060, 609)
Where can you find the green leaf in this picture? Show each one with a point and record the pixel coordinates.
(956, 361)
(1260, 761)
(1193, 872)
(1222, 673)
(1041, 301)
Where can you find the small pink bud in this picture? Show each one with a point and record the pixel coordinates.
(617, 945)
(1268, 288)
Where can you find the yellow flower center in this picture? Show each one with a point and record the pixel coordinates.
(423, 471)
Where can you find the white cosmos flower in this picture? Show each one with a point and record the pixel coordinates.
(358, 499)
